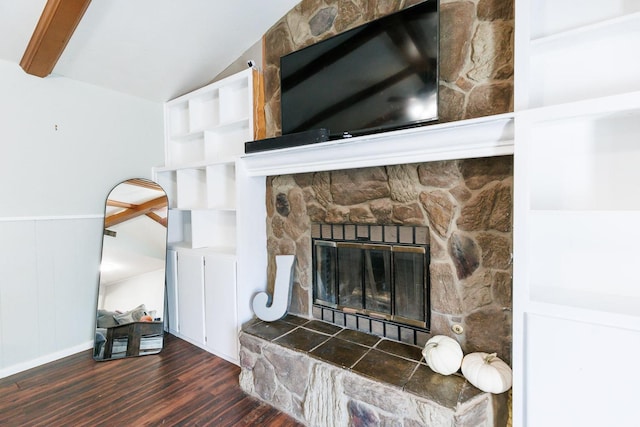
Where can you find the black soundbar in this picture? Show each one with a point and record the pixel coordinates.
(287, 141)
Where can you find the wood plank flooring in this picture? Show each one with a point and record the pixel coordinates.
(182, 386)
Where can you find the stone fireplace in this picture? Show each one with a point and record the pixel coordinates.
(323, 373)
(464, 203)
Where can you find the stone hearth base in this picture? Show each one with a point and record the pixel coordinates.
(324, 375)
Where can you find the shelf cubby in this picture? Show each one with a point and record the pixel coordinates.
(192, 188)
(177, 119)
(600, 52)
(221, 186)
(235, 97)
(203, 228)
(167, 179)
(187, 149)
(204, 111)
(551, 18)
(584, 251)
(227, 142)
(584, 167)
(578, 64)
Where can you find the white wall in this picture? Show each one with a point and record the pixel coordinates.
(127, 294)
(64, 145)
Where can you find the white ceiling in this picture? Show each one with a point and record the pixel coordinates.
(153, 49)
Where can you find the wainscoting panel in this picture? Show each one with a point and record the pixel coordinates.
(48, 288)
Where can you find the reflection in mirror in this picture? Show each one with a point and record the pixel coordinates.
(131, 293)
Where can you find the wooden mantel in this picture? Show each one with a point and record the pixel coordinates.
(57, 23)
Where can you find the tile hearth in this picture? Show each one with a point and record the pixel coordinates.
(376, 361)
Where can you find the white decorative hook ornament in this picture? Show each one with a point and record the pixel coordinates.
(281, 292)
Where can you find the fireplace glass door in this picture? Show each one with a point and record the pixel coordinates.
(350, 262)
(364, 277)
(325, 258)
(377, 278)
(383, 281)
(409, 277)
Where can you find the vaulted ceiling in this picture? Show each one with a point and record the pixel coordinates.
(153, 49)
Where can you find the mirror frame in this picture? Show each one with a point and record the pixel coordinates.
(134, 260)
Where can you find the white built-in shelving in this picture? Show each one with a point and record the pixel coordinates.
(205, 132)
(216, 231)
(577, 211)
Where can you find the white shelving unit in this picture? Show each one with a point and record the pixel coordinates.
(214, 218)
(577, 210)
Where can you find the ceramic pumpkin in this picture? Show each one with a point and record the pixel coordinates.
(487, 372)
(443, 354)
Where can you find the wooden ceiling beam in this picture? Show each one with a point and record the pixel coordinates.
(57, 23)
(139, 210)
(157, 218)
(117, 204)
(145, 183)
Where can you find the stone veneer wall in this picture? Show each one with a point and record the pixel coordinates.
(476, 50)
(467, 205)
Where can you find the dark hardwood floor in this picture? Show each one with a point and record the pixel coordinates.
(183, 385)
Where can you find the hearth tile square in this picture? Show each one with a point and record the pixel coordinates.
(327, 315)
(316, 311)
(407, 335)
(400, 349)
(295, 320)
(364, 324)
(362, 232)
(376, 233)
(468, 392)
(251, 322)
(339, 352)
(377, 328)
(422, 236)
(302, 339)
(316, 231)
(422, 338)
(405, 234)
(352, 321)
(443, 389)
(390, 234)
(392, 332)
(326, 231)
(358, 337)
(270, 330)
(323, 327)
(385, 367)
(349, 232)
(338, 232)
(338, 318)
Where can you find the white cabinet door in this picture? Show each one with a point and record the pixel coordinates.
(171, 313)
(220, 306)
(580, 373)
(191, 297)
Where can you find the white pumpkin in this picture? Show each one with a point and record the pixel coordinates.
(487, 372)
(443, 354)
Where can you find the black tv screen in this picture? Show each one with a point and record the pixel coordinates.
(379, 76)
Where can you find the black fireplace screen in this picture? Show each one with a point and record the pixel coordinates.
(379, 280)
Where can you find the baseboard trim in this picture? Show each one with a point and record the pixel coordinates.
(24, 366)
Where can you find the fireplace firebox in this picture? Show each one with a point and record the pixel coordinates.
(374, 277)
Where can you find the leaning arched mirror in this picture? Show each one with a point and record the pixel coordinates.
(131, 293)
